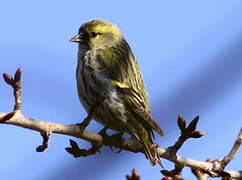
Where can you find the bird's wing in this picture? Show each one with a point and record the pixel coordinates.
(132, 99)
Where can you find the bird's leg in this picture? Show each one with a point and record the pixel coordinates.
(91, 111)
(103, 132)
(115, 138)
(85, 122)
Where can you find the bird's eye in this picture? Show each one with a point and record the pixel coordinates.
(94, 34)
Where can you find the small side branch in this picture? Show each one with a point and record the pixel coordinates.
(234, 149)
(186, 132)
(46, 136)
(15, 83)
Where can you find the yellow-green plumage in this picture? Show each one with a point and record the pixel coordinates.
(107, 68)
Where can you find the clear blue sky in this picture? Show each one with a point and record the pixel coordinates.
(190, 56)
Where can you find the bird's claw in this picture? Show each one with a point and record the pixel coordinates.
(117, 135)
(103, 132)
(114, 138)
(83, 125)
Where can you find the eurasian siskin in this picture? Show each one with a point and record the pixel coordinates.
(108, 70)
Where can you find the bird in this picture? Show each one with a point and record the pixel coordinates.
(108, 73)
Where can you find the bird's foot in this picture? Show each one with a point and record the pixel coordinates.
(103, 132)
(91, 111)
(116, 138)
(117, 135)
(85, 122)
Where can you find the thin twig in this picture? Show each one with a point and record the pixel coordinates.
(220, 163)
(45, 143)
(234, 149)
(15, 83)
(186, 132)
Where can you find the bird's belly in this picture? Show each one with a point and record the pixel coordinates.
(111, 111)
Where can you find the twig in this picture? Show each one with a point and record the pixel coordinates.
(15, 83)
(234, 149)
(206, 166)
(46, 137)
(186, 132)
(220, 163)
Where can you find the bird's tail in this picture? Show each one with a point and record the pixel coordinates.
(151, 153)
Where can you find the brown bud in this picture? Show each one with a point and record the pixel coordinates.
(181, 123)
(17, 75)
(41, 148)
(197, 134)
(7, 117)
(8, 79)
(193, 124)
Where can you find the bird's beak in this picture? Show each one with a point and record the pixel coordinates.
(76, 38)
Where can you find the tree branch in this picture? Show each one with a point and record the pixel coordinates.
(213, 169)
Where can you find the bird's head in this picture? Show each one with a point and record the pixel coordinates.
(97, 34)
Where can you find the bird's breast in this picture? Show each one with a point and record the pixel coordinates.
(92, 82)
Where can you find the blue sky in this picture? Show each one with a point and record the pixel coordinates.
(190, 56)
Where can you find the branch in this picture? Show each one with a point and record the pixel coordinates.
(16, 118)
(202, 170)
(221, 163)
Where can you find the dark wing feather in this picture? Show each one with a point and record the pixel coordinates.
(149, 119)
(132, 98)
